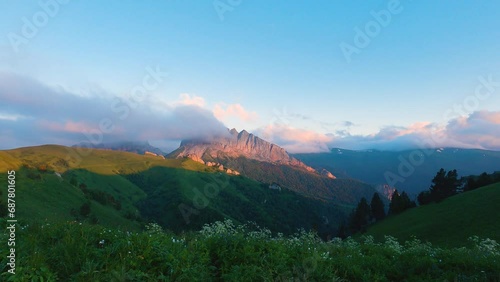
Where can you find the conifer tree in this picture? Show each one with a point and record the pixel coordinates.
(377, 207)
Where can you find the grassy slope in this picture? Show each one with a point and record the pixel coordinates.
(154, 187)
(340, 191)
(99, 161)
(216, 196)
(51, 198)
(449, 223)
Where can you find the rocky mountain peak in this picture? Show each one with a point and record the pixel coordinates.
(238, 144)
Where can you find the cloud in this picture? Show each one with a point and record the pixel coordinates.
(479, 130)
(68, 126)
(226, 112)
(348, 123)
(34, 113)
(188, 100)
(295, 140)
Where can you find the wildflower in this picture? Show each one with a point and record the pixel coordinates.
(325, 255)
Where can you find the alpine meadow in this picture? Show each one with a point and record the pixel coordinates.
(232, 140)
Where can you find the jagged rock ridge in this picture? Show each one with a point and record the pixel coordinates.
(239, 144)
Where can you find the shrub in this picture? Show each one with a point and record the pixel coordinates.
(223, 250)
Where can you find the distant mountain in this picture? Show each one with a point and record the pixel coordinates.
(410, 170)
(138, 147)
(238, 144)
(260, 160)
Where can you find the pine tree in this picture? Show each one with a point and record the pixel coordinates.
(342, 232)
(406, 203)
(361, 216)
(424, 198)
(396, 203)
(471, 184)
(483, 180)
(377, 207)
(444, 185)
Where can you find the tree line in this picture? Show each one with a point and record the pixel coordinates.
(445, 184)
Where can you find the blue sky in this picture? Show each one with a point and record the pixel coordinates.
(273, 68)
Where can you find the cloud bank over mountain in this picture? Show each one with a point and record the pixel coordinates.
(481, 129)
(33, 113)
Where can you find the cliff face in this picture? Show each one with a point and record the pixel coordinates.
(238, 144)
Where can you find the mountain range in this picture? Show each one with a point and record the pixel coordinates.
(253, 157)
(409, 170)
(238, 176)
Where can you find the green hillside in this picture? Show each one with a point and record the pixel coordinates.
(343, 191)
(125, 190)
(450, 222)
(61, 158)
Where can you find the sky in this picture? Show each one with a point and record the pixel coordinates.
(308, 76)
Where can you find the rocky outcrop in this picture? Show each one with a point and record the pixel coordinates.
(386, 190)
(328, 174)
(239, 144)
(213, 164)
(148, 153)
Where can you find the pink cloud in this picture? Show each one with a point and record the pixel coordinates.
(188, 100)
(222, 111)
(480, 130)
(492, 117)
(295, 140)
(68, 126)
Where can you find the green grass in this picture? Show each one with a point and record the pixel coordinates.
(224, 251)
(61, 158)
(149, 188)
(216, 196)
(52, 199)
(43, 196)
(450, 222)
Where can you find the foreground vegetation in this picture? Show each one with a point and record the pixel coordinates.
(223, 251)
(126, 190)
